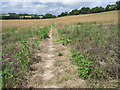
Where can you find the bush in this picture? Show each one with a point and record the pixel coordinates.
(46, 16)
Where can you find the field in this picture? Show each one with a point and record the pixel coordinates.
(103, 17)
(94, 50)
(74, 51)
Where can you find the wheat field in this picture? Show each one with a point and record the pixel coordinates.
(111, 16)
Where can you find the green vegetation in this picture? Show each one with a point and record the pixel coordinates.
(59, 53)
(110, 7)
(21, 16)
(49, 16)
(85, 10)
(63, 14)
(97, 9)
(94, 49)
(84, 66)
(118, 5)
(74, 12)
(18, 48)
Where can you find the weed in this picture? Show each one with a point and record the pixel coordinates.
(80, 23)
(93, 43)
(59, 53)
(63, 38)
(17, 52)
(66, 78)
(84, 66)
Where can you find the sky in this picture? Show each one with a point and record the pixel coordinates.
(42, 7)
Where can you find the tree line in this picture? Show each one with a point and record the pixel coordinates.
(83, 10)
(20, 16)
(87, 10)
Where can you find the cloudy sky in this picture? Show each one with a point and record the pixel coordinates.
(49, 6)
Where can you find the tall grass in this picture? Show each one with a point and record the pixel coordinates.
(18, 47)
(94, 48)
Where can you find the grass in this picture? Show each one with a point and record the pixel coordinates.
(107, 12)
(94, 49)
(18, 48)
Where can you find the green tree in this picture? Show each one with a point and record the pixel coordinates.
(49, 16)
(118, 5)
(85, 10)
(110, 7)
(53, 16)
(24, 14)
(35, 17)
(13, 16)
(63, 14)
(97, 9)
(74, 12)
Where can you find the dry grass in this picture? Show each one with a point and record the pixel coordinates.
(24, 23)
(101, 17)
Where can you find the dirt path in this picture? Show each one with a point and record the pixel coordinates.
(54, 70)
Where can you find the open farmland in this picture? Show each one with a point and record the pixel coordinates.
(78, 51)
(103, 17)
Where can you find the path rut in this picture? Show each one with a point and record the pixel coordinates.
(49, 74)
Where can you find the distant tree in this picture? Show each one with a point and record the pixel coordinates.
(118, 5)
(110, 7)
(53, 16)
(66, 13)
(74, 12)
(13, 16)
(97, 9)
(5, 17)
(49, 16)
(25, 14)
(63, 14)
(85, 10)
(35, 16)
